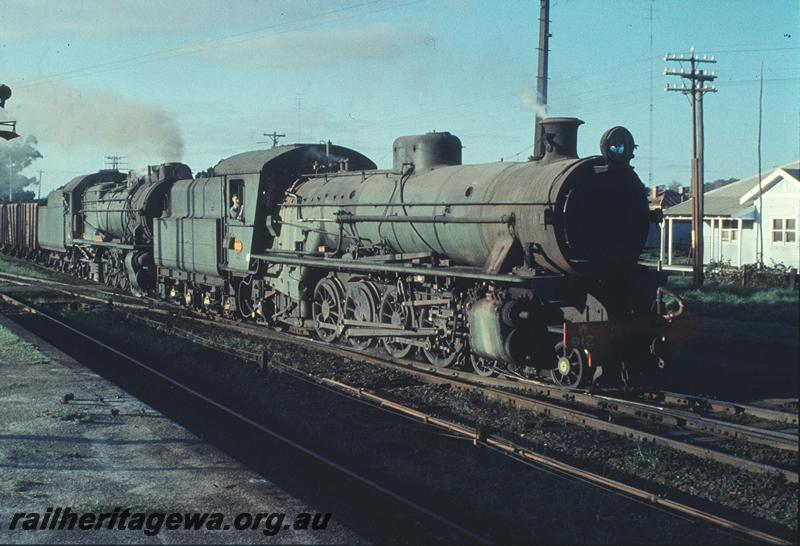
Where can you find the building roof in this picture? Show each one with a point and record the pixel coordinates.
(667, 198)
(726, 201)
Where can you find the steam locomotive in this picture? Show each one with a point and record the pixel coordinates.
(524, 268)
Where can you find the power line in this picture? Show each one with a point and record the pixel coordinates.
(724, 50)
(759, 80)
(216, 43)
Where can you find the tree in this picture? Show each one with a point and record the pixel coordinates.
(14, 157)
(718, 183)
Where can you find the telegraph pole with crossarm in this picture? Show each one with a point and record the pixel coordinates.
(274, 136)
(697, 88)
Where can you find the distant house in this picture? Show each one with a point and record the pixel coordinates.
(733, 214)
(665, 199)
(660, 198)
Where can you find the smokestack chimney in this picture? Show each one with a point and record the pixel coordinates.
(560, 138)
(653, 193)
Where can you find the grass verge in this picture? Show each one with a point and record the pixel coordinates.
(13, 349)
(743, 312)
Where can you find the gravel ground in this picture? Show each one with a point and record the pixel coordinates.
(747, 498)
(106, 449)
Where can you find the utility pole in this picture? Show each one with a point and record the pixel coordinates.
(10, 183)
(760, 189)
(697, 88)
(114, 161)
(274, 136)
(39, 192)
(541, 76)
(652, 87)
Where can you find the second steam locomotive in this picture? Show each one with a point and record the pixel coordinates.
(521, 268)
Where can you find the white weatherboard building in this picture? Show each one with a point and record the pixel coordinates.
(732, 215)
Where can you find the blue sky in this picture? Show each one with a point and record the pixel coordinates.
(201, 80)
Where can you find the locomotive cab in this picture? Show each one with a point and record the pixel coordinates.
(204, 252)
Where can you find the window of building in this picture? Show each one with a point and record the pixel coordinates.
(729, 231)
(784, 230)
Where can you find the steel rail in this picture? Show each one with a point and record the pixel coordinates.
(669, 416)
(587, 420)
(26, 281)
(681, 418)
(665, 415)
(14, 276)
(256, 425)
(721, 406)
(528, 456)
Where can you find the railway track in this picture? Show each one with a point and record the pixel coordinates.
(477, 436)
(153, 374)
(709, 405)
(644, 419)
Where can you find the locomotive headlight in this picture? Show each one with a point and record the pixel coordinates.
(617, 145)
(238, 246)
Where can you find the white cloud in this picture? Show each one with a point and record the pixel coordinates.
(33, 19)
(379, 42)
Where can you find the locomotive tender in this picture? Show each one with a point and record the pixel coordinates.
(525, 268)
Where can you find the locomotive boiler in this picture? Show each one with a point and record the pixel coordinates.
(554, 214)
(99, 226)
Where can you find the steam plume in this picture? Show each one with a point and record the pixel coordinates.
(70, 118)
(530, 102)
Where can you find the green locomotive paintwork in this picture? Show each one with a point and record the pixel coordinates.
(188, 236)
(197, 235)
(61, 221)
